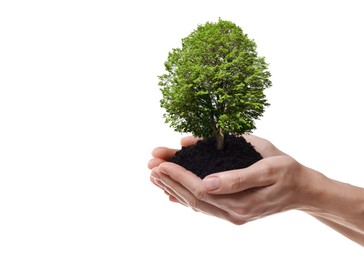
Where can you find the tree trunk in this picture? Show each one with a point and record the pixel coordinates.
(219, 140)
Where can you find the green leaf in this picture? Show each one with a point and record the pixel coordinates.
(214, 81)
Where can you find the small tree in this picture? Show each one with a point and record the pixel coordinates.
(214, 84)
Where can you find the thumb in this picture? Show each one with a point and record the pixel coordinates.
(237, 180)
(189, 140)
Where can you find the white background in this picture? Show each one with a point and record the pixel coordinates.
(79, 116)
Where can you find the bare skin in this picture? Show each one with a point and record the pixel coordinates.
(275, 184)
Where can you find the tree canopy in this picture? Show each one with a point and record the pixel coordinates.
(214, 83)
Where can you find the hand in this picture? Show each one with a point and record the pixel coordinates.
(269, 186)
(274, 184)
(162, 154)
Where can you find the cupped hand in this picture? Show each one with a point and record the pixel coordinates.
(273, 184)
(162, 154)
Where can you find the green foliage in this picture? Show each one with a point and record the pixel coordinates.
(214, 83)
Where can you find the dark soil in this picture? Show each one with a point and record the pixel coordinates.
(203, 158)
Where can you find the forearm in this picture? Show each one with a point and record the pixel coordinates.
(354, 235)
(336, 204)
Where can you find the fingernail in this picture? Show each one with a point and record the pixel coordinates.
(211, 183)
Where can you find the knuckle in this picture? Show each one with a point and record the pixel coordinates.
(237, 222)
(237, 181)
(192, 203)
(236, 219)
(240, 211)
(267, 169)
(199, 193)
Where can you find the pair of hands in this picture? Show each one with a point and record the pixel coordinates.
(274, 184)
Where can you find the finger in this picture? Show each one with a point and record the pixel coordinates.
(187, 179)
(163, 153)
(174, 196)
(155, 162)
(181, 195)
(175, 187)
(189, 140)
(263, 146)
(160, 155)
(167, 184)
(155, 178)
(156, 182)
(254, 176)
(173, 199)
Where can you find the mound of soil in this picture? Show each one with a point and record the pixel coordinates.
(203, 158)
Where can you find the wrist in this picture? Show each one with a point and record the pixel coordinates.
(332, 200)
(313, 190)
